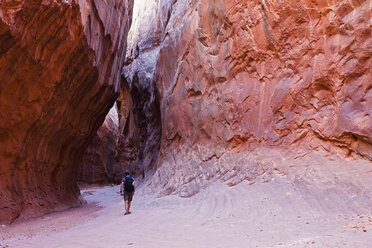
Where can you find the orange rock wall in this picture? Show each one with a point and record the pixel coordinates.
(60, 66)
(243, 84)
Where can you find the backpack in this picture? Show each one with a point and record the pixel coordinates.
(128, 184)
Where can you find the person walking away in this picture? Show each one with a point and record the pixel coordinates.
(127, 189)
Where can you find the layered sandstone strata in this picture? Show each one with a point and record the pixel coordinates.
(251, 88)
(60, 66)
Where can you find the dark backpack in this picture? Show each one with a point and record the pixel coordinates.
(128, 184)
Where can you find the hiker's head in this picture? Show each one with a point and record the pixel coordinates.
(126, 172)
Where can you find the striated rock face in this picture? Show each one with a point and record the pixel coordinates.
(60, 72)
(252, 88)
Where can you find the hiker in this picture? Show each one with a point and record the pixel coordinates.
(128, 185)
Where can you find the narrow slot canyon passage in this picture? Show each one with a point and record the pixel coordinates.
(243, 123)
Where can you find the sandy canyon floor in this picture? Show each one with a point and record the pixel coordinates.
(258, 215)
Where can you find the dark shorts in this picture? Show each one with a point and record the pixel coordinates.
(128, 196)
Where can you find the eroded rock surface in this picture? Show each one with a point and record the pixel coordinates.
(251, 88)
(60, 72)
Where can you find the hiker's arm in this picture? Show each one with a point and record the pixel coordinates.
(121, 188)
(134, 188)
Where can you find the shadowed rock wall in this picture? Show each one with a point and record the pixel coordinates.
(139, 73)
(251, 88)
(60, 70)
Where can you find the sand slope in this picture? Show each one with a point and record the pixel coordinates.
(265, 214)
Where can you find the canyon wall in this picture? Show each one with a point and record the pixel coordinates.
(60, 73)
(250, 89)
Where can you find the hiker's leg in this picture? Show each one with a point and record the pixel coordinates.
(130, 198)
(127, 206)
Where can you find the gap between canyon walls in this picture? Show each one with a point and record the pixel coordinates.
(252, 89)
(60, 74)
(130, 136)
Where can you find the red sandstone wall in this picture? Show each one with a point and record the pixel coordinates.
(251, 87)
(60, 66)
